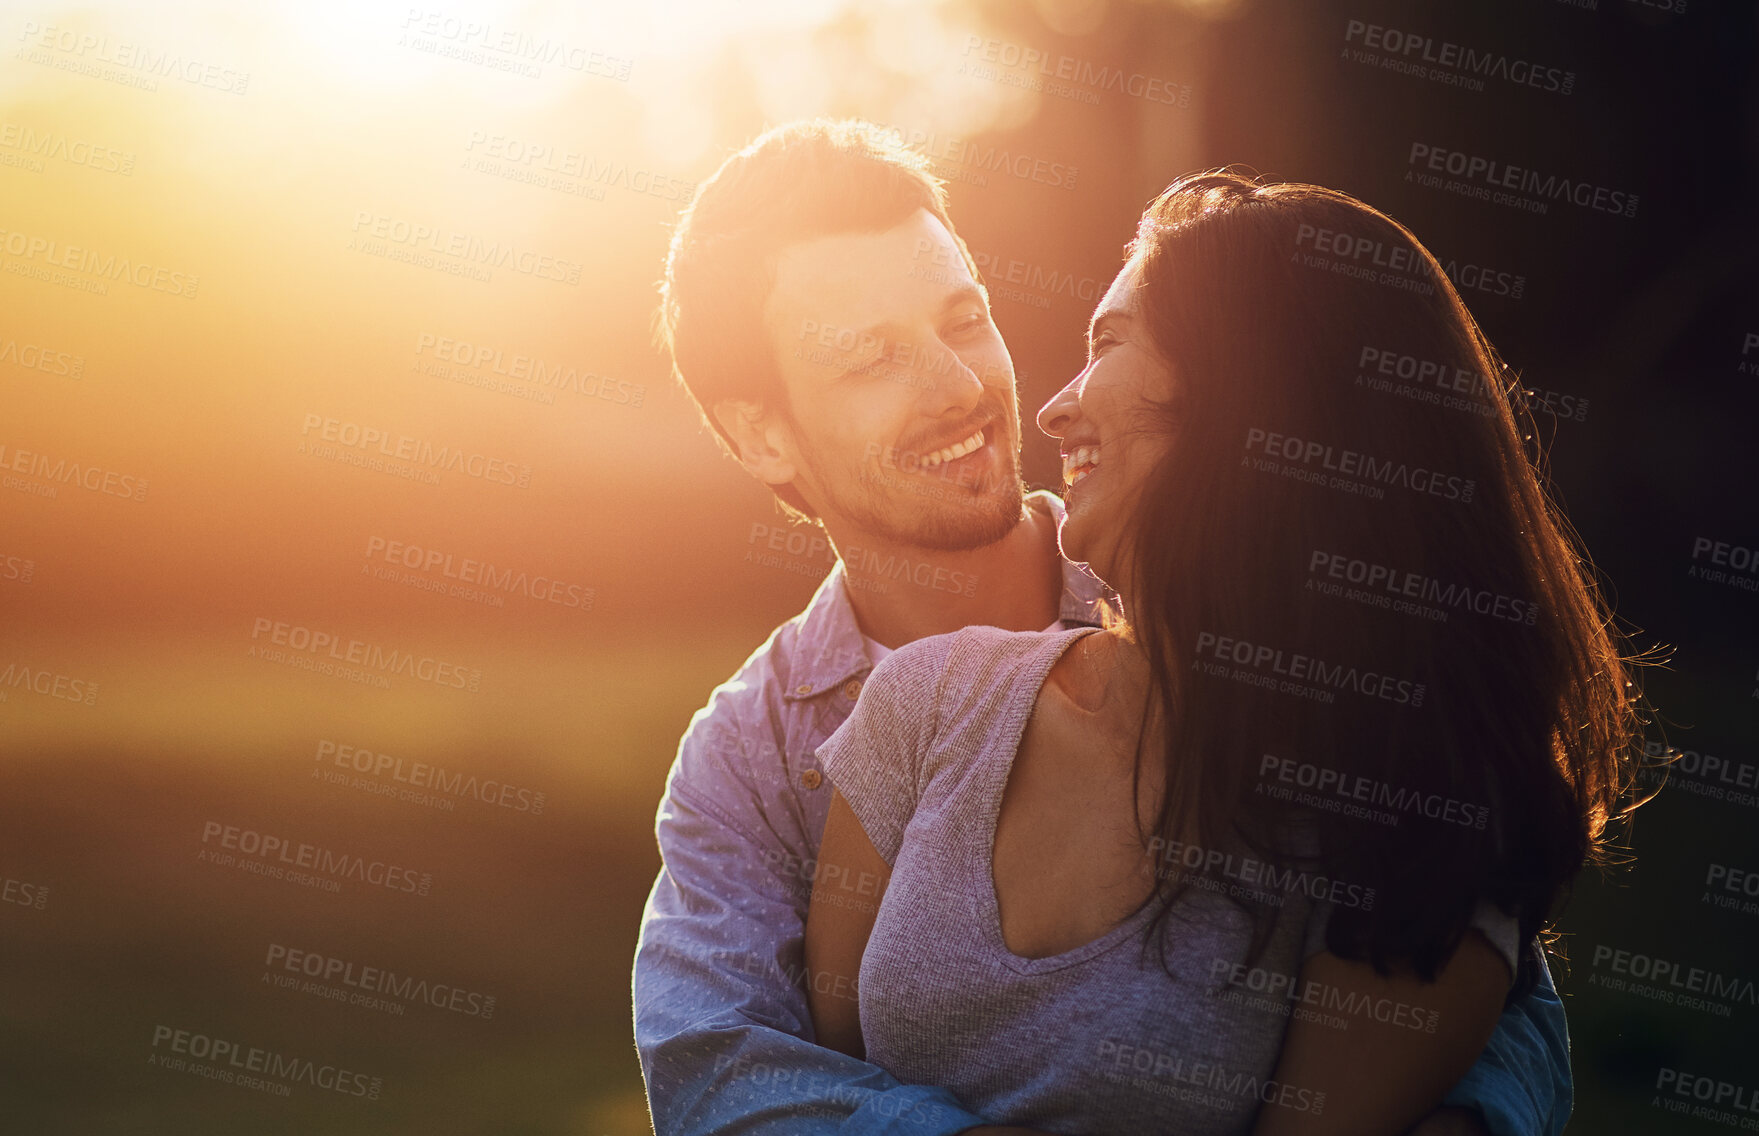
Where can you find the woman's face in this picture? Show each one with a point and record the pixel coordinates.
(1111, 435)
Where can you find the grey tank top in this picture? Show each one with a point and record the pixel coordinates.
(1099, 1039)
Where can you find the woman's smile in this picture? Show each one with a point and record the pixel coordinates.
(1078, 463)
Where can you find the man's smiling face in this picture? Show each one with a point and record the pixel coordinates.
(902, 419)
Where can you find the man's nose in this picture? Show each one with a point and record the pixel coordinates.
(951, 384)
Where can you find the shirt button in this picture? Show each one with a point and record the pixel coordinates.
(812, 779)
(852, 688)
(803, 688)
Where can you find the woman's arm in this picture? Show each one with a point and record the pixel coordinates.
(837, 929)
(838, 925)
(1379, 1078)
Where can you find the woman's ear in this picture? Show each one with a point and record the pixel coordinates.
(760, 441)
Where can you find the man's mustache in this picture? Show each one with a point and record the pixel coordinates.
(988, 412)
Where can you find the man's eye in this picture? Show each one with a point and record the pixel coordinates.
(970, 323)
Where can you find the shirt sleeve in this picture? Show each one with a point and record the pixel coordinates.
(875, 758)
(1521, 1084)
(721, 1019)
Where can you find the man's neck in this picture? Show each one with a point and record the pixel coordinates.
(903, 592)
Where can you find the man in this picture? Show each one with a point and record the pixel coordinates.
(826, 317)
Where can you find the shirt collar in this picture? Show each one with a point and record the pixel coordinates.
(829, 645)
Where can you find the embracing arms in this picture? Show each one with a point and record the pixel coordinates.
(721, 1020)
(1375, 1078)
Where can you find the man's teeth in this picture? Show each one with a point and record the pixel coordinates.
(1079, 462)
(953, 452)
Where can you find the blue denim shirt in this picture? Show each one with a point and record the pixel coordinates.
(721, 1018)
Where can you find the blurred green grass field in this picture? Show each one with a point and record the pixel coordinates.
(539, 911)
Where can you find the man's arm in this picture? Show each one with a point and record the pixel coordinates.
(721, 1018)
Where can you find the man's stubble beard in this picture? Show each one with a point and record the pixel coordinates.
(901, 507)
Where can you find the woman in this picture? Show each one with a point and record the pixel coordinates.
(1267, 853)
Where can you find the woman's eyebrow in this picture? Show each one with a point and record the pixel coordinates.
(1106, 318)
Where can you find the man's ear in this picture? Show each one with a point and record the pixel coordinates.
(760, 440)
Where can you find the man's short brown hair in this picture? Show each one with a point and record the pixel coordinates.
(793, 183)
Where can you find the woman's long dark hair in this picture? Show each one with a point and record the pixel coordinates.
(1405, 534)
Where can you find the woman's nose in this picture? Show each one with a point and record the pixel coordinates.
(1054, 416)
